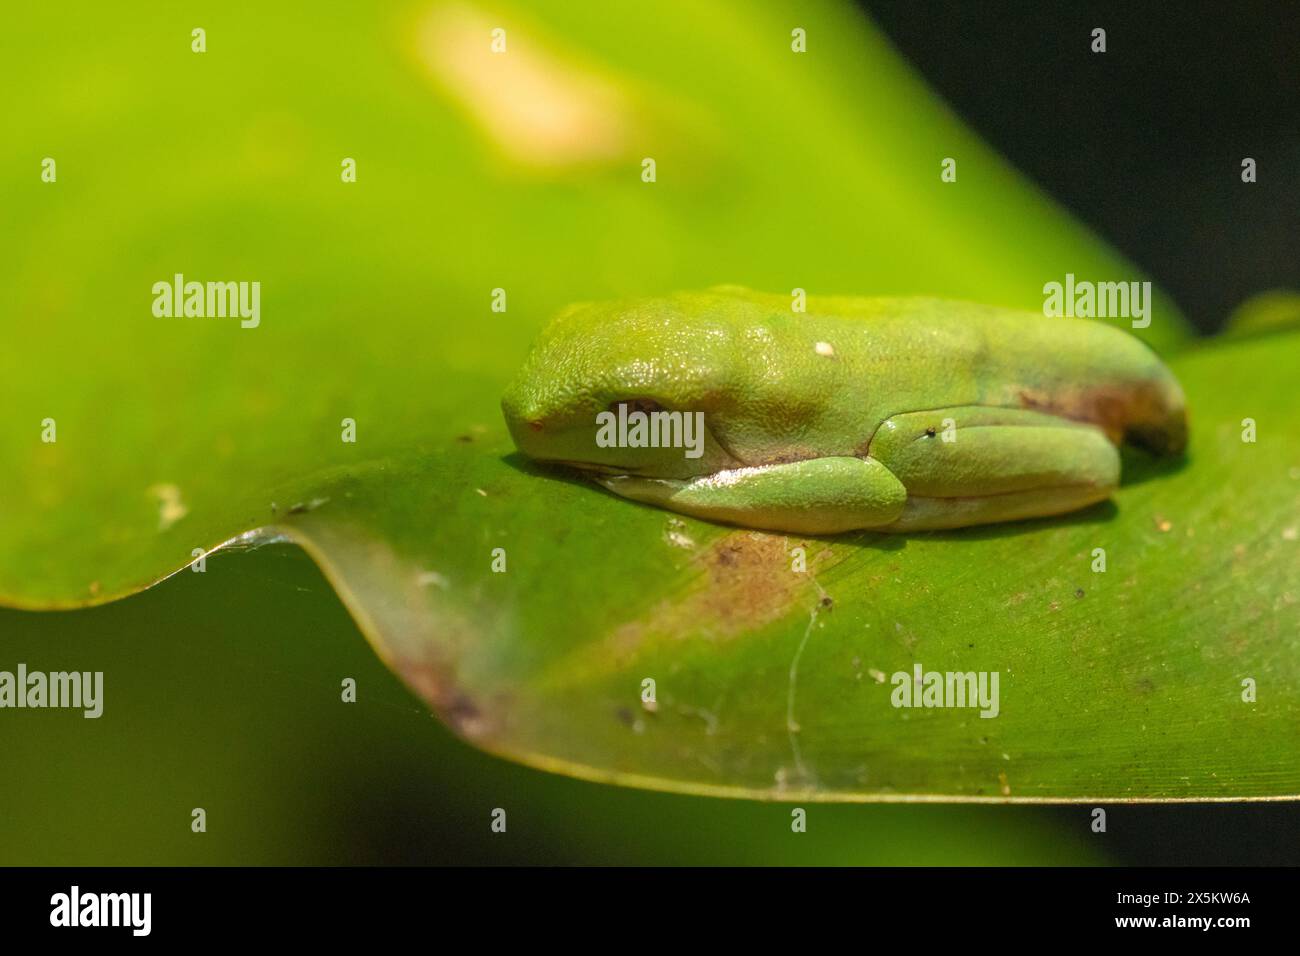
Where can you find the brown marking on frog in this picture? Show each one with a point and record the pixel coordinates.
(1147, 415)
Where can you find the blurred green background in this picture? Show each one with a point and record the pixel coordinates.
(222, 691)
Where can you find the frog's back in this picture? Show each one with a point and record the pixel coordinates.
(866, 359)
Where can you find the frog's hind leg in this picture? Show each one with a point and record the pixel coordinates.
(816, 496)
(974, 465)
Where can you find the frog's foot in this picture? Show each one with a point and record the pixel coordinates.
(817, 496)
(947, 468)
(973, 465)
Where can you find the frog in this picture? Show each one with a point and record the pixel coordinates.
(884, 413)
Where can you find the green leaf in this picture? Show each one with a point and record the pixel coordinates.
(1264, 313)
(774, 169)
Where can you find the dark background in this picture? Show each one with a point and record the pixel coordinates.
(1144, 142)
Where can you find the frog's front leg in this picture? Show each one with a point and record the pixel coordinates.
(816, 496)
(976, 465)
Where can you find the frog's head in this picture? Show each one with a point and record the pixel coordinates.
(674, 360)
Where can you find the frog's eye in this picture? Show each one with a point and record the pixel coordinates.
(647, 405)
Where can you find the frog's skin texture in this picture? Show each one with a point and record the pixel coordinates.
(839, 417)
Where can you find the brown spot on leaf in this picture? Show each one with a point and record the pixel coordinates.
(436, 685)
(745, 582)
